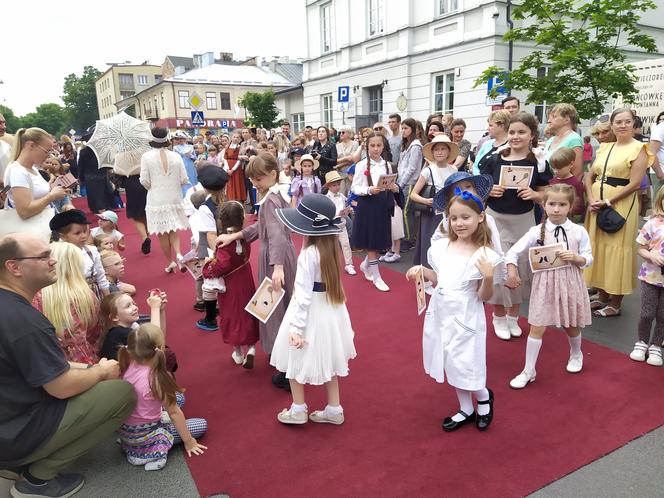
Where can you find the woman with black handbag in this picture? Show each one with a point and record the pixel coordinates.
(612, 184)
(439, 153)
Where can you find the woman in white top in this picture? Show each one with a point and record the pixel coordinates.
(346, 147)
(439, 153)
(163, 175)
(29, 193)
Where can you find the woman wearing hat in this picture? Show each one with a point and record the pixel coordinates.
(306, 182)
(163, 175)
(315, 339)
(188, 155)
(440, 153)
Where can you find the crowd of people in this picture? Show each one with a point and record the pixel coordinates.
(518, 217)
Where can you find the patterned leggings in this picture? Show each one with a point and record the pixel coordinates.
(197, 426)
(652, 307)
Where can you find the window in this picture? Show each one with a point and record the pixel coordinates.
(183, 97)
(326, 104)
(157, 78)
(376, 10)
(126, 95)
(163, 107)
(225, 101)
(326, 27)
(375, 99)
(541, 110)
(297, 120)
(211, 100)
(126, 79)
(142, 80)
(446, 7)
(444, 93)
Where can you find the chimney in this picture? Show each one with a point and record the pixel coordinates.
(207, 59)
(226, 56)
(198, 60)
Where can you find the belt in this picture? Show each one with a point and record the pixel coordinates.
(320, 287)
(616, 182)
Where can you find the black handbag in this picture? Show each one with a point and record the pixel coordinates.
(428, 192)
(608, 219)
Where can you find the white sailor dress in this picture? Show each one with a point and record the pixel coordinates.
(454, 335)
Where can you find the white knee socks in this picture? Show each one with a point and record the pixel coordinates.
(465, 404)
(574, 345)
(532, 351)
(482, 395)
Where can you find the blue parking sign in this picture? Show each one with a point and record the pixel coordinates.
(343, 94)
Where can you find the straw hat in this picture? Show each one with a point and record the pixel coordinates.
(306, 157)
(427, 150)
(332, 176)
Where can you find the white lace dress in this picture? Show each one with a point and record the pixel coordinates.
(163, 174)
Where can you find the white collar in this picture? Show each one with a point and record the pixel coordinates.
(274, 189)
(550, 226)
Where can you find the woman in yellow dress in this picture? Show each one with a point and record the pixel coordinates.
(614, 269)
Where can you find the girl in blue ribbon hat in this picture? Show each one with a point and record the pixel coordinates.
(315, 340)
(454, 336)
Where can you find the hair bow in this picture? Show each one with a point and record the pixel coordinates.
(469, 196)
(322, 221)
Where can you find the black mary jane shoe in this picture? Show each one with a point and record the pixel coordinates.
(482, 422)
(450, 425)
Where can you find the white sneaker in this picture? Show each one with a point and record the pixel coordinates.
(350, 269)
(385, 256)
(364, 266)
(655, 356)
(575, 363)
(380, 285)
(522, 380)
(392, 258)
(237, 357)
(287, 416)
(501, 328)
(639, 351)
(513, 326)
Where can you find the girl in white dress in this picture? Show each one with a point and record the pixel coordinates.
(315, 340)
(454, 336)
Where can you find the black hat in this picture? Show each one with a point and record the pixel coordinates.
(316, 215)
(212, 177)
(66, 218)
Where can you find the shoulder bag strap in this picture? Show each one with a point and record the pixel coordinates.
(606, 163)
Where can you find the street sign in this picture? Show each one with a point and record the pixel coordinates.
(197, 118)
(72, 132)
(343, 106)
(343, 94)
(495, 91)
(195, 101)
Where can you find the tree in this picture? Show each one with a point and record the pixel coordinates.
(13, 121)
(582, 45)
(261, 109)
(50, 117)
(80, 98)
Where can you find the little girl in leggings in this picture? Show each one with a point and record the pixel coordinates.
(145, 438)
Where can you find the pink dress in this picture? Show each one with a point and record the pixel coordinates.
(558, 296)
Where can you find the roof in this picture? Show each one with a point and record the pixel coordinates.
(233, 75)
(292, 72)
(186, 62)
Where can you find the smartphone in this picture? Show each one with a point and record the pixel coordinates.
(5, 189)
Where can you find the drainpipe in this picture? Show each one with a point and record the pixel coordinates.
(510, 49)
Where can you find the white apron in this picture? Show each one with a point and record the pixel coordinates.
(454, 335)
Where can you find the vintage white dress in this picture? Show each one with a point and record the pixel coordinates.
(326, 328)
(454, 336)
(164, 209)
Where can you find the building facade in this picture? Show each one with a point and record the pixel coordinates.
(121, 81)
(414, 57)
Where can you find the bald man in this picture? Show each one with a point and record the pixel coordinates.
(51, 411)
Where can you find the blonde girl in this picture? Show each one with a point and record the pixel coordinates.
(558, 295)
(276, 259)
(144, 437)
(114, 267)
(103, 242)
(454, 335)
(315, 340)
(71, 306)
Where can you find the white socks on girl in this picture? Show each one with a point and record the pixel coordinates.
(371, 272)
(533, 346)
(465, 404)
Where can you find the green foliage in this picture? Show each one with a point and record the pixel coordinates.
(80, 98)
(13, 121)
(261, 109)
(580, 44)
(50, 117)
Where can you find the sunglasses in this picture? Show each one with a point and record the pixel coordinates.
(378, 128)
(602, 119)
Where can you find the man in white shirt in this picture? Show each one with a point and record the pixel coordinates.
(656, 139)
(394, 124)
(5, 149)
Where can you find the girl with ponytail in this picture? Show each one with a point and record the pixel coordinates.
(145, 437)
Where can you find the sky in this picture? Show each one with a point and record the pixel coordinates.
(46, 41)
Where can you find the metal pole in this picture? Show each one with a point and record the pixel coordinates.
(510, 49)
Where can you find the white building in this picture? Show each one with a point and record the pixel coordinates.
(414, 57)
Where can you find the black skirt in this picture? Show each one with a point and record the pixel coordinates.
(99, 193)
(136, 198)
(372, 229)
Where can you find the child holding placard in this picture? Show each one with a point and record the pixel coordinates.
(558, 296)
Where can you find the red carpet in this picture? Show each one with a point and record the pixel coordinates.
(392, 443)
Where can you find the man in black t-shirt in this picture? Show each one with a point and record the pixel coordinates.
(51, 411)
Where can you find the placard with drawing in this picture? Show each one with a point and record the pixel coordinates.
(421, 294)
(544, 258)
(515, 177)
(263, 303)
(386, 181)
